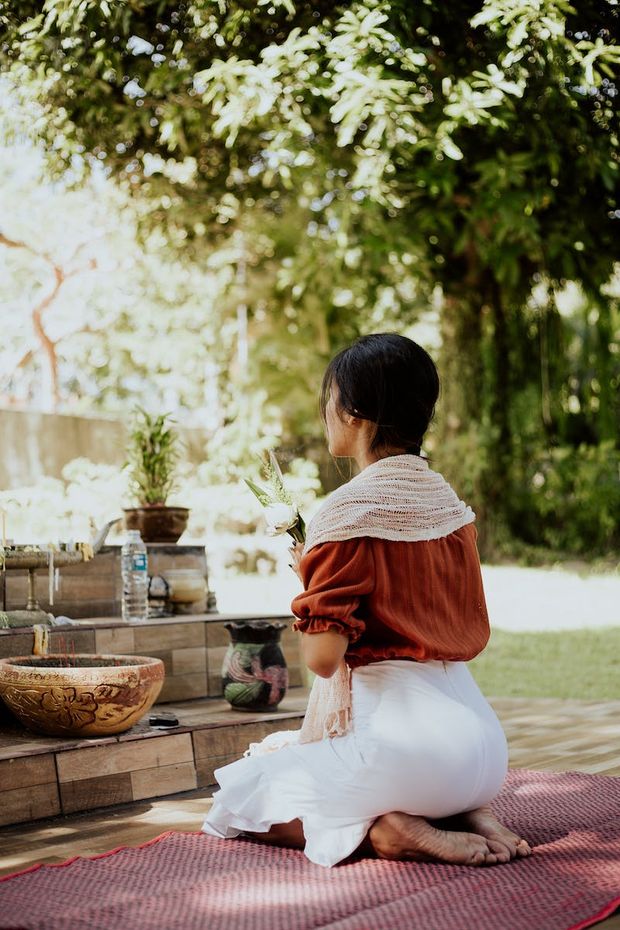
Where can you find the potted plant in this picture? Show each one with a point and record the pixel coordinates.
(152, 455)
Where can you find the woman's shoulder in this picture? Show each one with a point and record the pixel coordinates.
(397, 499)
(342, 516)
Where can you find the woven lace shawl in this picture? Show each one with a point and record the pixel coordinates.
(397, 498)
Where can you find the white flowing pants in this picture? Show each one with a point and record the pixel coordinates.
(423, 741)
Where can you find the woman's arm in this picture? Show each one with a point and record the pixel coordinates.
(323, 652)
(336, 576)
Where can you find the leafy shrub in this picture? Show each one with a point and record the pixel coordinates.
(569, 499)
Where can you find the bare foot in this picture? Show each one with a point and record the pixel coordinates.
(402, 836)
(483, 821)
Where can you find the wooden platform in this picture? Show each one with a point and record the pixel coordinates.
(95, 588)
(191, 647)
(46, 776)
(43, 777)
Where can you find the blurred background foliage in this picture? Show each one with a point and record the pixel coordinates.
(203, 201)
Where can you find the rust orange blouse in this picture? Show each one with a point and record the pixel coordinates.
(417, 600)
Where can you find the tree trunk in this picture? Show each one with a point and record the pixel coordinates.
(461, 367)
(500, 397)
(473, 429)
(607, 418)
(459, 448)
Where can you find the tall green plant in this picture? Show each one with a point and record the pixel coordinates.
(153, 452)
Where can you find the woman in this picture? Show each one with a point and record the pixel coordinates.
(393, 587)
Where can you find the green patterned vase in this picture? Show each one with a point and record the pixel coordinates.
(254, 672)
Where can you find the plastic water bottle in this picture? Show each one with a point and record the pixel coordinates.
(134, 566)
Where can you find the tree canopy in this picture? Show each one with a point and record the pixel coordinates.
(362, 160)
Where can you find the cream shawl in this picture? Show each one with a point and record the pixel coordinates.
(397, 498)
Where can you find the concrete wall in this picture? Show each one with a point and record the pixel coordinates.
(36, 444)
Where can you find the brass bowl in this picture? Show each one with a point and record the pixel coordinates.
(81, 695)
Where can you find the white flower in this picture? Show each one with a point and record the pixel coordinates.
(280, 518)
(138, 46)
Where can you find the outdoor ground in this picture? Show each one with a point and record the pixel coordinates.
(575, 655)
(543, 733)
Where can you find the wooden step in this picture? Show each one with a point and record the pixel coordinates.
(192, 648)
(45, 776)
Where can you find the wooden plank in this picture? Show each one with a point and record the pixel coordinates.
(37, 801)
(168, 636)
(166, 657)
(218, 747)
(183, 687)
(290, 635)
(115, 641)
(26, 771)
(215, 659)
(234, 740)
(97, 586)
(14, 643)
(161, 562)
(70, 639)
(111, 759)
(205, 769)
(167, 779)
(291, 646)
(107, 562)
(216, 634)
(214, 685)
(188, 661)
(89, 793)
(31, 744)
(86, 608)
(57, 840)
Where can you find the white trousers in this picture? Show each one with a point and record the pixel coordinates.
(423, 740)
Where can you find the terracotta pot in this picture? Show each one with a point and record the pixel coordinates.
(254, 673)
(157, 522)
(81, 695)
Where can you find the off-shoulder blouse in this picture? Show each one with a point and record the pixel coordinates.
(415, 600)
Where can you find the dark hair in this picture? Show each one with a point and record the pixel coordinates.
(389, 380)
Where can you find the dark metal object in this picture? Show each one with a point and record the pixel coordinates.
(163, 720)
(158, 596)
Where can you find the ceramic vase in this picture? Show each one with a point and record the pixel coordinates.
(254, 673)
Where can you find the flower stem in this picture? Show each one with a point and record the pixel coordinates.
(297, 533)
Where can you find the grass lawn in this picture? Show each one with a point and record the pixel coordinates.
(578, 664)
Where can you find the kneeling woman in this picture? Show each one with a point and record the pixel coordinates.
(393, 587)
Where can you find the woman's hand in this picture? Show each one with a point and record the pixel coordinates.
(296, 551)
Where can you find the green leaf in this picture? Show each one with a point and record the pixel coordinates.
(261, 495)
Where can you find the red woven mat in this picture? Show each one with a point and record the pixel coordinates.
(188, 881)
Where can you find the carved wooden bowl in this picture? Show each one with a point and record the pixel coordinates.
(81, 695)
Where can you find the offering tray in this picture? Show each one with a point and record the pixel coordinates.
(32, 558)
